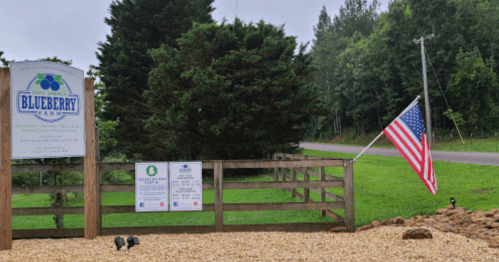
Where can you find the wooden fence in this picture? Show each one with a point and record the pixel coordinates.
(299, 164)
(346, 202)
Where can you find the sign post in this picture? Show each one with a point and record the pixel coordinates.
(51, 115)
(5, 168)
(90, 182)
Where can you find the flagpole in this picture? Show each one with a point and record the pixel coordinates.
(405, 110)
(355, 159)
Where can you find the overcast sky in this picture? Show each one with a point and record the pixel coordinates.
(70, 30)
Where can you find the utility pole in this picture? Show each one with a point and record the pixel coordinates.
(426, 99)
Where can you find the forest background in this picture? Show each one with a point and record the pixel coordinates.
(370, 67)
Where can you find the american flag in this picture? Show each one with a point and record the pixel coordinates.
(407, 133)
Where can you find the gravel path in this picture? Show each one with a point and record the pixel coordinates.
(377, 244)
(490, 159)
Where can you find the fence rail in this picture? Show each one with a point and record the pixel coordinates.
(297, 163)
(346, 183)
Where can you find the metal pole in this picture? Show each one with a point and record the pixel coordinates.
(427, 102)
(372, 142)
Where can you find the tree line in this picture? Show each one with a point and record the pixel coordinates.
(369, 66)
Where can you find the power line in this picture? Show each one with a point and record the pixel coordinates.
(443, 94)
(433, 69)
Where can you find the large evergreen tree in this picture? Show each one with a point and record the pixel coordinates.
(230, 91)
(356, 16)
(137, 26)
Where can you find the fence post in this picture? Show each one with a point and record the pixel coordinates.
(276, 178)
(322, 189)
(89, 167)
(268, 158)
(219, 211)
(99, 182)
(306, 191)
(5, 161)
(283, 169)
(293, 178)
(348, 194)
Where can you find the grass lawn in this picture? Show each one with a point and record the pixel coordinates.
(485, 145)
(385, 187)
(172, 218)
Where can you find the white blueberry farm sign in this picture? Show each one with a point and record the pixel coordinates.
(47, 110)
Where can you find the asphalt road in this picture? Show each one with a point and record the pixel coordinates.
(489, 159)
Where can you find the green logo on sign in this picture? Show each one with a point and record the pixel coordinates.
(153, 172)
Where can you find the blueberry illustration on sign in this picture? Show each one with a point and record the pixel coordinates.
(49, 98)
(49, 81)
(185, 166)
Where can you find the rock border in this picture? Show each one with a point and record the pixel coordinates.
(472, 224)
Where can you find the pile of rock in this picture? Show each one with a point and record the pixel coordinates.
(473, 224)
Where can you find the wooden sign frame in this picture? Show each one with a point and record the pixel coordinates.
(92, 215)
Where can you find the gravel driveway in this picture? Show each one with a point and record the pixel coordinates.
(489, 159)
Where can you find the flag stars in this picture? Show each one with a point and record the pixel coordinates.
(412, 118)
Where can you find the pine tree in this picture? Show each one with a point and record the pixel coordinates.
(137, 26)
(230, 91)
(356, 15)
(323, 26)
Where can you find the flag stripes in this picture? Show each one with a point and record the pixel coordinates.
(401, 141)
(407, 133)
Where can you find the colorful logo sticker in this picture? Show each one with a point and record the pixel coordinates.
(185, 169)
(151, 170)
(49, 98)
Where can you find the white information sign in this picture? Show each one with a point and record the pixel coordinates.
(186, 186)
(47, 110)
(151, 187)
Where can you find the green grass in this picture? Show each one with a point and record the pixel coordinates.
(385, 187)
(490, 145)
(172, 218)
(485, 145)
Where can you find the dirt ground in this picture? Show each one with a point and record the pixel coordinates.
(377, 244)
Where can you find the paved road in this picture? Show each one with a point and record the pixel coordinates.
(490, 159)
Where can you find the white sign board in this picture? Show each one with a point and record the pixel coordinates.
(151, 187)
(186, 186)
(47, 110)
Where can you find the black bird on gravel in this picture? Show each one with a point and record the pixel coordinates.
(453, 202)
